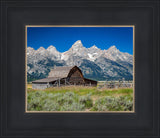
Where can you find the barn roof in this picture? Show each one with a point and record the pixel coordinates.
(50, 79)
(90, 80)
(61, 71)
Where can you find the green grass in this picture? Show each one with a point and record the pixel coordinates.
(78, 98)
(86, 90)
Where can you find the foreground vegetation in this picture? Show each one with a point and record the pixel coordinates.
(78, 98)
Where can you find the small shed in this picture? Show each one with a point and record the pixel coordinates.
(62, 76)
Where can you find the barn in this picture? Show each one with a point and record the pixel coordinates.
(63, 76)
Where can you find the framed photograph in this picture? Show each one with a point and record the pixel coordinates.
(74, 77)
(80, 69)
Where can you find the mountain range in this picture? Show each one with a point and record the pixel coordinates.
(97, 64)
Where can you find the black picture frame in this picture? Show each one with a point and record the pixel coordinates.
(144, 123)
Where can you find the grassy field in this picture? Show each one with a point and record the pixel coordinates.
(79, 98)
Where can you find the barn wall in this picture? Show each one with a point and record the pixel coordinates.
(76, 78)
(90, 82)
(41, 85)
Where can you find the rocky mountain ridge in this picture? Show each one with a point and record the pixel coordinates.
(95, 63)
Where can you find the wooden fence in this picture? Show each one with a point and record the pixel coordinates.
(115, 84)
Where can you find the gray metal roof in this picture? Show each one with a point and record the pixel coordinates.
(90, 80)
(49, 79)
(60, 72)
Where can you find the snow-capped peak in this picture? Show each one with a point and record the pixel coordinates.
(81, 51)
(114, 54)
(51, 48)
(77, 44)
(94, 47)
(30, 49)
(112, 48)
(52, 51)
(95, 51)
(41, 49)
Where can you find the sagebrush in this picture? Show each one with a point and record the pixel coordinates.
(71, 101)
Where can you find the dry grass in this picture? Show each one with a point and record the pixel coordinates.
(29, 86)
(84, 90)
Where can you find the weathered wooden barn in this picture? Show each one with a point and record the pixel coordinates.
(62, 76)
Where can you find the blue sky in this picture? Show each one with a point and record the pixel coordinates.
(64, 37)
